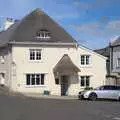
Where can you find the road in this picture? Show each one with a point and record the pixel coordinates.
(17, 108)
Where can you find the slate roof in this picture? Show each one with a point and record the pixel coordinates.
(66, 65)
(25, 30)
(116, 42)
(104, 51)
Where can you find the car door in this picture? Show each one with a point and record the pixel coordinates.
(111, 92)
(103, 92)
(114, 92)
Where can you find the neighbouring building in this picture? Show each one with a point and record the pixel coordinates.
(115, 61)
(112, 52)
(37, 55)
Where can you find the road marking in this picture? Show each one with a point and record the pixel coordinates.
(116, 118)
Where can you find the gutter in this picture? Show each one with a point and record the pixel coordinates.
(43, 43)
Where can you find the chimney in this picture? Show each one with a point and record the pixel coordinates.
(8, 22)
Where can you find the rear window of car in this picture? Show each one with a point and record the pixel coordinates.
(118, 87)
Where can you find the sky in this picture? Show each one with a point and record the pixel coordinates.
(93, 23)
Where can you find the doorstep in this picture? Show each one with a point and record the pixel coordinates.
(36, 95)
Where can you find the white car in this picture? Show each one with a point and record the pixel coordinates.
(102, 92)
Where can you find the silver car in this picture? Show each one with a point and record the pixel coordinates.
(102, 92)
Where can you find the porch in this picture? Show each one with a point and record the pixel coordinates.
(64, 71)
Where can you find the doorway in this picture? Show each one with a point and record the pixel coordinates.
(2, 79)
(64, 85)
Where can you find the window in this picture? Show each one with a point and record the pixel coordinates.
(34, 79)
(85, 59)
(2, 59)
(43, 34)
(85, 81)
(35, 54)
(118, 87)
(2, 78)
(118, 62)
(109, 87)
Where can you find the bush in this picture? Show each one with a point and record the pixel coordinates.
(88, 88)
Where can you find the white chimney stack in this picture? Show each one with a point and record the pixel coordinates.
(8, 22)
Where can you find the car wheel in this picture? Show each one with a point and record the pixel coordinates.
(93, 96)
(119, 98)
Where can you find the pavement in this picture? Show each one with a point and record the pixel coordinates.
(40, 96)
(28, 108)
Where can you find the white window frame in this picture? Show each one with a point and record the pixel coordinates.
(118, 62)
(85, 60)
(85, 79)
(43, 35)
(35, 54)
(35, 75)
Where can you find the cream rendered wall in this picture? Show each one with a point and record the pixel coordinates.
(96, 69)
(50, 57)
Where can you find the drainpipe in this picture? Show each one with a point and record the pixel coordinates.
(111, 59)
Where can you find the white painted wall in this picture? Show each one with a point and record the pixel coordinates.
(50, 57)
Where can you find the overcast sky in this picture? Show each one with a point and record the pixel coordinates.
(93, 23)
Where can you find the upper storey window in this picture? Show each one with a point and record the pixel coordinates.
(118, 62)
(35, 54)
(85, 59)
(43, 34)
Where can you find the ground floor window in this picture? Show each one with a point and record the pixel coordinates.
(35, 79)
(85, 81)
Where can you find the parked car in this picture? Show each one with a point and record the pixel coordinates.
(102, 92)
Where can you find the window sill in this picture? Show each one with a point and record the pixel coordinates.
(34, 86)
(85, 66)
(35, 61)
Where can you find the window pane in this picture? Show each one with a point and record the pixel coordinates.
(82, 60)
(109, 87)
(82, 81)
(37, 79)
(87, 60)
(106, 88)
(38, 55)
(32, 55)
(87, 81)
(43, 34)
(118, 88)
(42, 79)
(118, 62)
(33, 79)
(27, 79)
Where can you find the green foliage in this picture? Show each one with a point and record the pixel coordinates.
(88, 88)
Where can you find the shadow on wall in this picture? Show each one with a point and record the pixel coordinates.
(75, 79)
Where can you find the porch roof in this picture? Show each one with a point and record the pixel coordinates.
(66, 65)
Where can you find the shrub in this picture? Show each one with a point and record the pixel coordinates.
(88, 88)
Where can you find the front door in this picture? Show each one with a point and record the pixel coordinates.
(64, 85)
